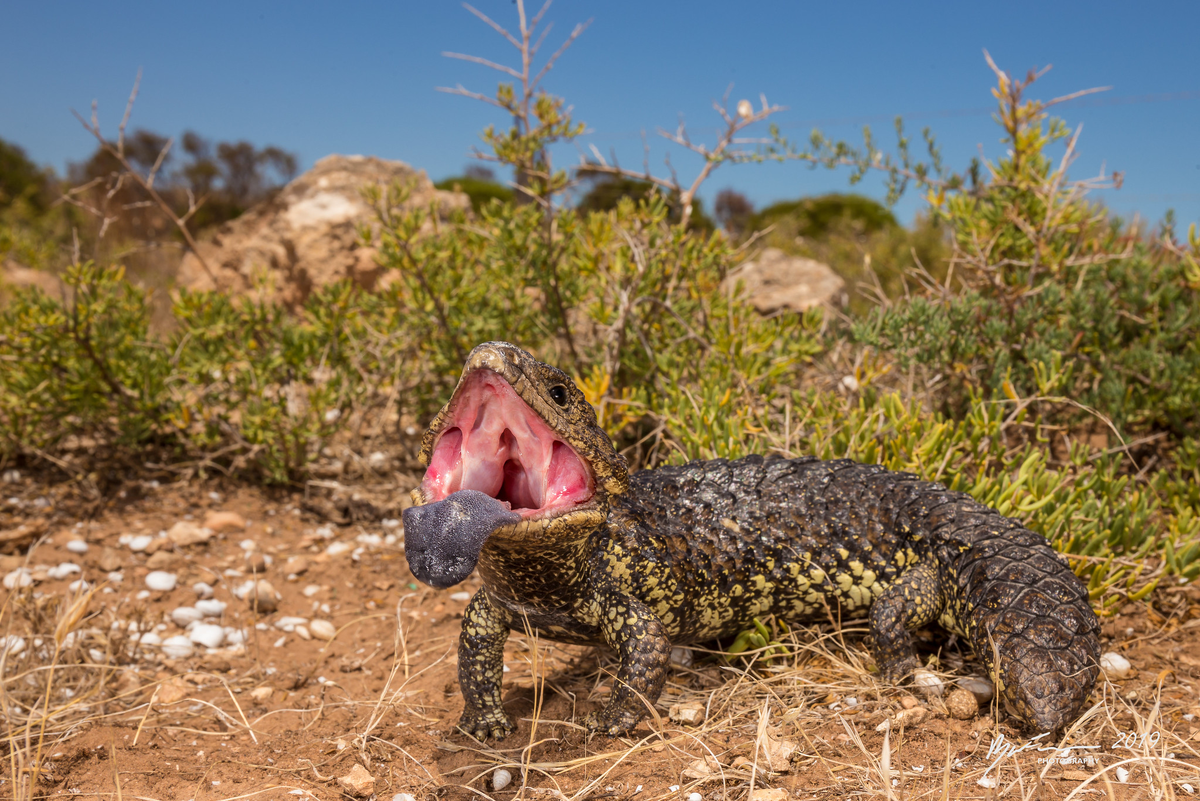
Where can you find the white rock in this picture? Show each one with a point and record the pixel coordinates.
(140, 543)
(115, 577)
(501, 778)
(63, 570)
(695, 797)
(338, 548)
(211, 607)
(21, 577)
(280, 642)
(202, 589)
(150, 638)
(1114, 665)
(289, 623)
(207, 634)
(77, 546)
(160, 581)
(302, 632)
(322, 629)
(11, 645)
(987, 781)
(142, 595)
(178, 647)
(184, 616)
(682, 656)
(978, 686)
(928, 681)
(377, 460)
(242, 590)
(460, 597)
(1122, 774)
(390, 522)
(311, 590)
(248, 545)
(404, 797)
(79, 585)
(235, 636)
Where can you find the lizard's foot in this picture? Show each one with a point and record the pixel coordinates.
(482, 725)
(899, 672)
(610, 722)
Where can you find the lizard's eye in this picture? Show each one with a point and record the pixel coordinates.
(558, 394)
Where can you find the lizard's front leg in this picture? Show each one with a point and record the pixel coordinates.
(481, 666)
(640, 640)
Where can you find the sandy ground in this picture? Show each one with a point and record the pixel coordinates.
(287, 713)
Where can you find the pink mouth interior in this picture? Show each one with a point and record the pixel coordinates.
(496, 444)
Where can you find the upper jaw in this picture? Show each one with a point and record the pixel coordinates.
(490, 439)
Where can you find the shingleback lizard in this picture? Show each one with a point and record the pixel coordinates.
(523, 484)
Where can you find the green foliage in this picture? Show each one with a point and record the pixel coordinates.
(21, 179)
(480, 190)
(608, 191)
(815, 217)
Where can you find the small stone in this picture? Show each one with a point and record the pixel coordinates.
(21, 577)
(160, 581)
(149, 639)
(157, 544)
(961, 704)
(173, 690)
(928, 681)
(302, 632)
(203, 589)
(256, 561)
(162, 560)
(63, 570)
(185, 616)
(700, 769)
(682, 656)
(178, 647)
(908, 702)
(12, 645)
(690, 713)
(221, 522)
(1122, 774)
(460, 597)
(295, 566)
(983, 689)
(906, 717)
(209, 635)
(377, 460)
(404, 797)
(140, 543)
(210, 607)
(77, 546)
(358, 782)
(110, 559)
(311, 590)
(768, 794)
(216, 662)
(234, 636)
(1114, 665)
(338, 548)
(289, 623)
(322, 629)
(263, 597)
(501, 778)
(185, 533)
(695, 797)
(262, 694)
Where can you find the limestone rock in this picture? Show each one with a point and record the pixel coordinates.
(358, 782)
(776, 281)
(307, 235)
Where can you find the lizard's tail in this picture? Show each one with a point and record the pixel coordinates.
(1026, 614)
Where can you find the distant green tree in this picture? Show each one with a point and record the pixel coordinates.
(21, 178)
(815, 217)
(607, 191)
(479, 184)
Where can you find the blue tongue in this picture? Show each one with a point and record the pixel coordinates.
(442, 540)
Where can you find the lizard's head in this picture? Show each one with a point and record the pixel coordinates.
(516, 453)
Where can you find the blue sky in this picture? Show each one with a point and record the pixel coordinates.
(320, 78)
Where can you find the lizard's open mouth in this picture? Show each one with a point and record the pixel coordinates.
(494, 443)
(495, 463)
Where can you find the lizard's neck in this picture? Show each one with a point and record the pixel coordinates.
(536, 573)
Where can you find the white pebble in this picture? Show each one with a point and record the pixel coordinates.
(338, 548)
(142, 595)
(96, 655)
(279, 643)
(390, 522)
(311, 590)
(211, 607)
(150, 638)
(695, 797)
(21, 577)
(248, 545)
(289, 623)
(501, 778)
(1122, 775)
(243, 589)
(674, 788)
(404, 797)
(1114, 665)
(184, 616)
(322, 629)
(77, 546)
(682, 656)
(140, 543)
(235, 636)
(79, 585)
(63, 570)
(928, 681)
(12, 644)
(202, 589)
(115, 577)
(987, 781)
(461, 597)
(978, 686)
(302, 632)
(178, 647)
(160, 581)
(207, 634)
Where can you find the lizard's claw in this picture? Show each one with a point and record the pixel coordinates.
(610, 722)
(482, 725)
